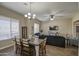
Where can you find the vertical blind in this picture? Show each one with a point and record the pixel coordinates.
(8, 28)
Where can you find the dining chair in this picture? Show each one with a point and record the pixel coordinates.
(26, 48)
(17, 46)
(42, 48)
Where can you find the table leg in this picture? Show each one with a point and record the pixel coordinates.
(37, 50)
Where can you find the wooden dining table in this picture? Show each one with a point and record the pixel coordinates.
(34, 43)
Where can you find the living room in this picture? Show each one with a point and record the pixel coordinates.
(58, 22)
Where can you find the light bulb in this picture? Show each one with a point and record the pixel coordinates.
(34, 15)
(25, 15)
(29, 14)
(29, 17)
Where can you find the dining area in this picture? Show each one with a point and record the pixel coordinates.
(30, 47)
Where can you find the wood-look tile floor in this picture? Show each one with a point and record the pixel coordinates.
(51, 51)
(58, 51)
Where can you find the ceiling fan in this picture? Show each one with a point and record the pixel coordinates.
(55, 14)
(52, 17)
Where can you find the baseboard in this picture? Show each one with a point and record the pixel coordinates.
(6, 46)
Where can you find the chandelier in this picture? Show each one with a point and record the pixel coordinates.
(29, 15)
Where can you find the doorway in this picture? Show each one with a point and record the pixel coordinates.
(76, 32)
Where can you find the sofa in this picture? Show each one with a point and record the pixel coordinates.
(58, 41)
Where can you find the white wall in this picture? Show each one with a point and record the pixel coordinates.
(76, 17)
(65, 25)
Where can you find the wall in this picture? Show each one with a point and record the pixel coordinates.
(30, 26)
(9, 13)
(76, 17)
(65, 25)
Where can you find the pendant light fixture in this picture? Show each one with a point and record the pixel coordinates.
(29, 15)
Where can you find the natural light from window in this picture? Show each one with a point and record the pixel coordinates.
(36, 28)
(9, 28)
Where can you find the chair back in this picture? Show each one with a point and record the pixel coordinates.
(16, 42)
(24, 43)
(20, 40)
(45, 41)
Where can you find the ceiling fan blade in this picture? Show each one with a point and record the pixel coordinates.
(60, 15)
(57, 12)
(43, 18)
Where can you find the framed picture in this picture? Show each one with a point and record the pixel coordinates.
(53, 28)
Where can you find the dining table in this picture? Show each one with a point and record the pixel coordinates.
(35, 43)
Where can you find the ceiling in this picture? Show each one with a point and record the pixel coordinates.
(44, 9)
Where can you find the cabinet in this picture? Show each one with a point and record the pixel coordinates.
(24, 32)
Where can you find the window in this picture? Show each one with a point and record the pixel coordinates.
(4, 28)
(36, 28)
(8, 28)
(15, 28)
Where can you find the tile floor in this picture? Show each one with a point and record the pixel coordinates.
(51, 51)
